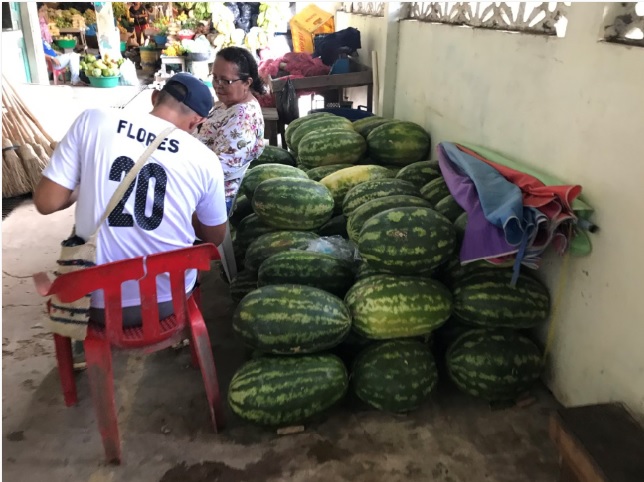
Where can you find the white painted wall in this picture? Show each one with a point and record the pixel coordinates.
(372, 38)
(574, 107)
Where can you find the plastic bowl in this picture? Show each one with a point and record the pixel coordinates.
(160, 40)
(66, 43)
(104, 82)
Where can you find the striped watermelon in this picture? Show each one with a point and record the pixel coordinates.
(318, 125)
(319, 173)
(460, 223)
(385, 307)
(399, 142)
(494, 364)
(243, 283)
(293, 126)
(326, 147)
(366, 125)
(290, 319)
(452, 271)
(449, 208)
(407, 240)
(273, 155)
(420, 173)
(374, 189)
(365, 271)
(484, 297)
(309, 268)
(362, 214)
(256, 176)
(241, 209)
(249, 229)
(272, 243)
(293, 203)
(341, 182)
(336, 226)
(396, 376)
(435, 190)
(282, 391)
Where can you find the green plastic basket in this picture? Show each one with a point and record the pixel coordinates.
(104, 82)
(66, 43)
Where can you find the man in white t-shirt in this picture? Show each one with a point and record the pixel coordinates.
(178, 195)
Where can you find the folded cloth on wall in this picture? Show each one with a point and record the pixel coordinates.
(512, 216)
(562, 203)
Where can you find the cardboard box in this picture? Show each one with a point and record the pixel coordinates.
(307, 24)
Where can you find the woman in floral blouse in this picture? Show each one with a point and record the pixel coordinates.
(235, 130)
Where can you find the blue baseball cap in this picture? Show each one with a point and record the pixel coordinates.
(197, 96)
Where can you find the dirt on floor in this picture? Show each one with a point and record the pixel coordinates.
(165, 425)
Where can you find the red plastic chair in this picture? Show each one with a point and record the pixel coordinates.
(153, 335)
(56, 71)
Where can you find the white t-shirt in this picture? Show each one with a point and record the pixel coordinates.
(181, 177)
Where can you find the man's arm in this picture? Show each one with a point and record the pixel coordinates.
(209, 234)
(50, 197)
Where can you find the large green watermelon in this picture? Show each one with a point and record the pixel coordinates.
(256, 176)
(319, 173)
(273, 155)
(289, 319)
(374, 189)
(293, 126)
(293, 203)
(385, 307)
(243, 283)
(249, 229)
(494, 364)
(341, 182)
(308, 268)
(366, 125)
(400, 143)
(282, 391)
(272, 243)
(435, 190)
(449, 208)
(396, 376)
(369, 209)
(326, 147)
(241, 209)
(319, 125)
(420, 173)
(407, 240)
(486, 298)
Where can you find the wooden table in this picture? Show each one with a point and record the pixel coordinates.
(272, 126)
(359, 76)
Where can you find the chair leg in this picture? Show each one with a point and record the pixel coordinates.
(65, 360)
(101, 380)
(200, 340)
(227, 255)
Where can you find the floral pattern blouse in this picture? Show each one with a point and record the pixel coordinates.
(236, 135)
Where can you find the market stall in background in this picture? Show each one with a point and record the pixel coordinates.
(164, 38)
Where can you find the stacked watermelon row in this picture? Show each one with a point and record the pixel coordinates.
(297, 306)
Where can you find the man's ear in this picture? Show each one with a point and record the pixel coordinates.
(196, 122)
(155, 96)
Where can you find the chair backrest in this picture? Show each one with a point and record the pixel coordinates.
(109, 278)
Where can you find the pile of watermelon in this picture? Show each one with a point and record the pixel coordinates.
(380, 324)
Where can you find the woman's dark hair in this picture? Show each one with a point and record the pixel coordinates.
(246, 66)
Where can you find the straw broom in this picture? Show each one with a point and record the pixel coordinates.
(41, 136)
(15, 181)
(32, 164)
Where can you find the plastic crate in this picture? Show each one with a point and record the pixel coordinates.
(351, 114)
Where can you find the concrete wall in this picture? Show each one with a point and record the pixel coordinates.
(574, 107)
